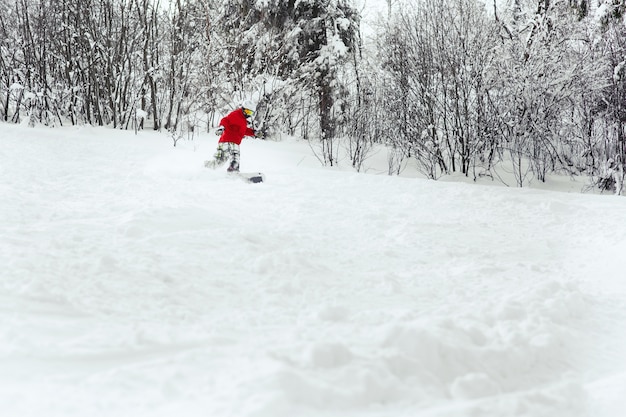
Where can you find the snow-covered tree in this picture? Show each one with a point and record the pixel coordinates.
(11, 85)
(304, 43)
(437, 57)
(610, 122)
(183, 42)
(147, 19)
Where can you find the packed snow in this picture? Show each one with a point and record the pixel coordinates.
(135, 282)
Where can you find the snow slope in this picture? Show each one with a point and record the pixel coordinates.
(134, 282)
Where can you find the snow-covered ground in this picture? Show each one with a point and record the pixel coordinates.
(134, 282)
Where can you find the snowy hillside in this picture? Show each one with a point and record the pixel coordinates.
(136, 283)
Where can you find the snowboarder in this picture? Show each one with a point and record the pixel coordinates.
(232, 128)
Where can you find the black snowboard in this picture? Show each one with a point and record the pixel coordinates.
(253, 177)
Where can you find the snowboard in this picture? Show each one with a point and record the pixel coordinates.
(252, 177)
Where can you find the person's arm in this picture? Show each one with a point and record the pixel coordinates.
(226, 122)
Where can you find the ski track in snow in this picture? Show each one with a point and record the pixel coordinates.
(135, 282)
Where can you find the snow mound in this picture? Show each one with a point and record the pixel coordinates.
(513, 357)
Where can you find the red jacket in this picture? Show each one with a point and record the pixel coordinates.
(235, 127)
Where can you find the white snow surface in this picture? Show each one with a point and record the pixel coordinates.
(135, 282)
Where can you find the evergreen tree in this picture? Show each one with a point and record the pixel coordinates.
(304, 43)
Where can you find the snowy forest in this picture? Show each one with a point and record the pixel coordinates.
(458, 86)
